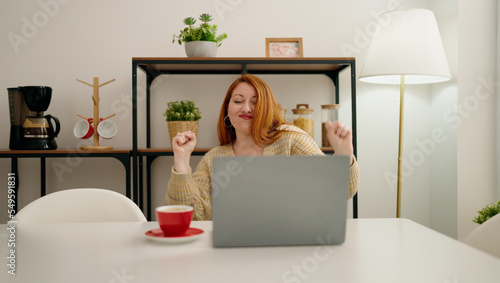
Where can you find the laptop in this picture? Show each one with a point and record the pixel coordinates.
(279, 200)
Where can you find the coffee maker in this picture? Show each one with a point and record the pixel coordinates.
(29, 127)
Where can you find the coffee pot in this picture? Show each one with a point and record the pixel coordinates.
(40, 127)
(30, 128)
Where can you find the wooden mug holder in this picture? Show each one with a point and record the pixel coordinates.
(96, 120)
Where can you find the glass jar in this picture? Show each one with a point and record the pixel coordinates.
(302, 118)
(329, 112)
(283, 111)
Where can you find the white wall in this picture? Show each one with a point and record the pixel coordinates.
(498, 104)
(83, 39)
(442, 146)
(477, 87)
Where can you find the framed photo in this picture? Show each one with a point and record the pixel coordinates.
(284, 47)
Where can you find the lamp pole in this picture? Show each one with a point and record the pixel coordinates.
(400, 148)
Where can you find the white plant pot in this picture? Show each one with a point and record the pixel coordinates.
(200, 48)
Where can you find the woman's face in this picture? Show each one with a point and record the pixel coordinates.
(241, 108)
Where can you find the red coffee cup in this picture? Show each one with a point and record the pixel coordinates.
(174, 220)
(84, 129)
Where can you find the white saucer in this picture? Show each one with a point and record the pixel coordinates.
(190, 235)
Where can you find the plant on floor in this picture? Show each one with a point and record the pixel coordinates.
(184, 110)
(487, 212)
(205, 32)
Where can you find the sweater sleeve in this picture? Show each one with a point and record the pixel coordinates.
(302, 144)
(192, 189)
(353, 178)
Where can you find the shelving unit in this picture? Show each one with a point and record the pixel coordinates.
(122, 155)
(154, 67)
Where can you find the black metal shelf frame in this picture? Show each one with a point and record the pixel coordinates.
(154, 67)
(123, 157)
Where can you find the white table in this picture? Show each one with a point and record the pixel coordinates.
(376, 250)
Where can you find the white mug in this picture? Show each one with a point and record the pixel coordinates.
(83, 129)
(107, 129)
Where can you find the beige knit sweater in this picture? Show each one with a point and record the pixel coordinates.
(195, 188)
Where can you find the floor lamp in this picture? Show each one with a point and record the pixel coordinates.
(408, 50)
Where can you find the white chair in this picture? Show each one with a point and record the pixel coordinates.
(486, 237)
(81, 205)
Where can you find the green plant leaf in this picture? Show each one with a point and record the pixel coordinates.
(205, 18)
(487, 212)
(205, 32)
(185, 110)
(189, 21)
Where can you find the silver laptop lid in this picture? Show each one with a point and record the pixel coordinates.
(279, 200)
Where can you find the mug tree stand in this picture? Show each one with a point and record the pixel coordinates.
(96, 119)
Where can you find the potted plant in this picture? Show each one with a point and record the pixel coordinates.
(182, 116)
(200, 41)
(487, 212)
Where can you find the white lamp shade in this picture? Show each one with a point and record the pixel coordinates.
(408, 44)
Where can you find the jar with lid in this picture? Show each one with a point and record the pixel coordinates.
(302, 118)
(329, 112)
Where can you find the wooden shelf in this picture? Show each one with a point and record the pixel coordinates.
(155, 66)
(122, 155)
(167, 151)
(59, 152)
(235, 64)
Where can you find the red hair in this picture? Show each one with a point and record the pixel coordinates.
(266, 118)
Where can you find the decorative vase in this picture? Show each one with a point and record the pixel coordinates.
(175, 127)
(200, 48)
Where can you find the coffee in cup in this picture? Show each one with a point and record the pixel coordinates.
(174, 220)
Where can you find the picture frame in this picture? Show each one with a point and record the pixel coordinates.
(284, 47)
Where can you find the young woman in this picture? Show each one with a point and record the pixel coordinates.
(250, 124)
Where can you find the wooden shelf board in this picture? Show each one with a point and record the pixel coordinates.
(253, 64)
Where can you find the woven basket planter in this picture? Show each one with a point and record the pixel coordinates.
(175, 127)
